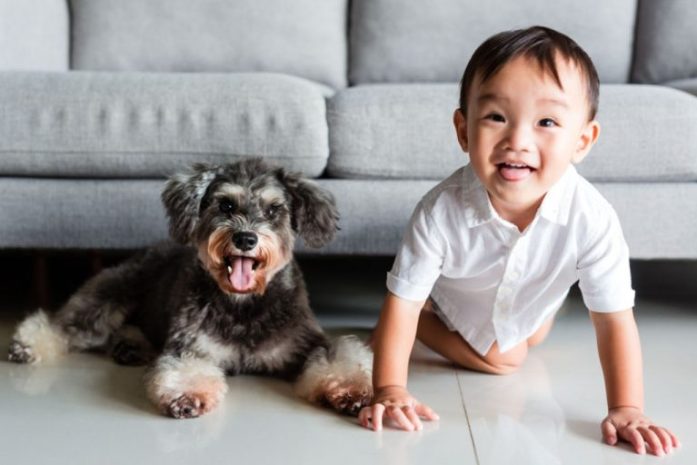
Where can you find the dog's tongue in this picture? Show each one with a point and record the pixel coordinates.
(242, 276)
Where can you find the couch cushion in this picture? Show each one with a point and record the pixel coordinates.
(665, 43)
(305, 38)
(399, 41)
(111, 214)
(686, 85)
(34, 35)
(406, 131)
(148, 125)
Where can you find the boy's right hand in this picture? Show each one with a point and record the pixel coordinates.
(396, 403)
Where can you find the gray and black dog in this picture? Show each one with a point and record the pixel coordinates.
(226, 298)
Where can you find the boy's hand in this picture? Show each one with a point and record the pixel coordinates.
(396, 403)
(629, 424)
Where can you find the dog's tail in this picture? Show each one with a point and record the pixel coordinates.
(38, 340)
(340, 377)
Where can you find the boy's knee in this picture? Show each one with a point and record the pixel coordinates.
(541, 333)
(498, 363)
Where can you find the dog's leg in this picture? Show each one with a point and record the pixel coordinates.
(185, 386)
(86, 321)
(129, 346)
(340, 378)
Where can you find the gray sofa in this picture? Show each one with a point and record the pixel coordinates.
(101, 99)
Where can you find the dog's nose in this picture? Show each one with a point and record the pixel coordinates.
(244, 240)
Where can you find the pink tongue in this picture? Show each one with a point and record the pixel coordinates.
(242, 277)
(514, 174)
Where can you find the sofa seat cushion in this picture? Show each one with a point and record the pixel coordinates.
(148, 125)
(406, 131)
(686, 85)
(304, 38)
(421, 41)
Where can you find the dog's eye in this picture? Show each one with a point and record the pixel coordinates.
(272, 210)
(226, 206)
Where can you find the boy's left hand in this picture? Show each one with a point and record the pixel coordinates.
(631, 425)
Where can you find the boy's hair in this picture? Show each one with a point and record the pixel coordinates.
(537, 42)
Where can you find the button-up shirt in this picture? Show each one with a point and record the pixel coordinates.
(494, 283)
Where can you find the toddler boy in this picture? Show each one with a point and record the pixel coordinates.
(491, 252)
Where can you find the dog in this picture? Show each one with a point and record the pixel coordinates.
(224, 297)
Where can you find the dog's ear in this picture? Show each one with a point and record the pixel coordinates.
(314, 216)
(182, 198)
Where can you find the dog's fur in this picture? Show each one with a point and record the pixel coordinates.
(196, 310)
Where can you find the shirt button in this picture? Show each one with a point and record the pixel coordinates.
(515, 275)
(504, 290)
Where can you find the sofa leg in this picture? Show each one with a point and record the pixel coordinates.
(42, 289)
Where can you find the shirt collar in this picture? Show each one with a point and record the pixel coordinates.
(557, 203)
(554, 208)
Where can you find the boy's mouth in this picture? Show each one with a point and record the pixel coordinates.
(514, 171)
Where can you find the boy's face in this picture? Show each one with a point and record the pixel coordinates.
(522, 131)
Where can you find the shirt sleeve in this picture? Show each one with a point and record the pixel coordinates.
(419, 260)
(603, 268)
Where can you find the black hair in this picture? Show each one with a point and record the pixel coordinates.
(538, 42)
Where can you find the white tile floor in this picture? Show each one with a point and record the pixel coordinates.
(87, 410)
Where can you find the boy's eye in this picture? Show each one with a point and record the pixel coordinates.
(495, 117)
(547, 123)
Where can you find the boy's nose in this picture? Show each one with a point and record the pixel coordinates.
(519, 139)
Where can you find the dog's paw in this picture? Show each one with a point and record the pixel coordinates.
(348, 397)
(19, 353)
(186, 406)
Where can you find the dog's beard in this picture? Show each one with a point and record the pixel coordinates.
(241, 273)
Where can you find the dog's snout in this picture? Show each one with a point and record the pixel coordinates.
(244, 240)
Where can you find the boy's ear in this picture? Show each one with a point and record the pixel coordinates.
(588, 138)
(460, 121)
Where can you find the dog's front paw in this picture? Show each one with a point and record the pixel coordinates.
(19, 353)
(347, 397)
(186, 406)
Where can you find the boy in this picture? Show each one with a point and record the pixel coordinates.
(491, 252)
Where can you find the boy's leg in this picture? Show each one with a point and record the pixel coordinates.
(436, 335)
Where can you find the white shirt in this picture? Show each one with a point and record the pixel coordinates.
(494, 283)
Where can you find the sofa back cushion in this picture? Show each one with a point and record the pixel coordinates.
(419, 41)
(306, 38)
(666, 41)
(34, 35)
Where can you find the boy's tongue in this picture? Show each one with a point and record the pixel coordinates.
(242, 276)
(510, 173)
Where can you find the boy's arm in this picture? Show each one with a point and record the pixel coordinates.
(620, 357)
(393, 341)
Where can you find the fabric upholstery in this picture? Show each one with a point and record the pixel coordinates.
(406, 131)
(305, 38)
(149, 125)
(686, 85)
(34, 35)
(400, 41)
(665, 41)
(658, 219)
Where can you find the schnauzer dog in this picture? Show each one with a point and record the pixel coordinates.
(226, 298)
